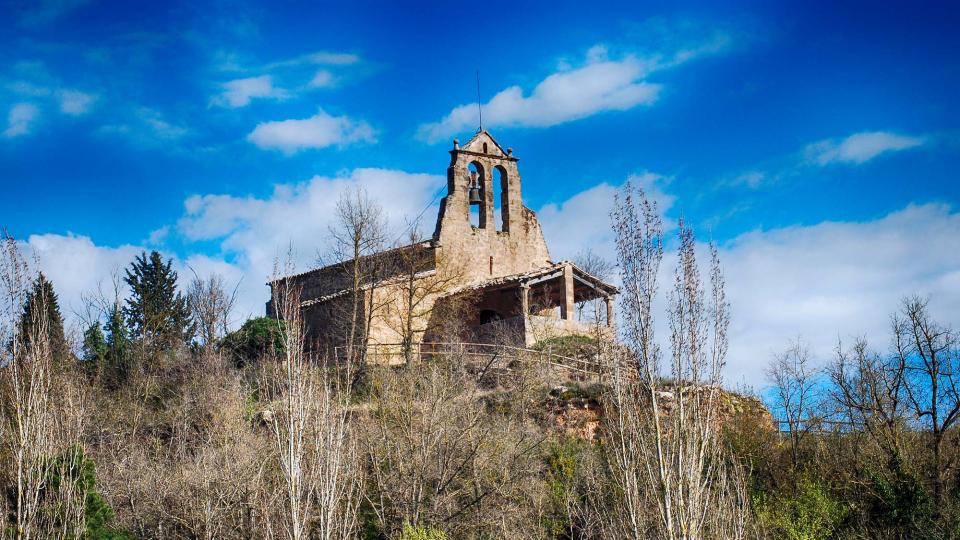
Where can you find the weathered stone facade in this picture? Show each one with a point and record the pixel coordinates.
(493, 249)
(501, 263)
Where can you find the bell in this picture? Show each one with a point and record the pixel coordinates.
(474, 193)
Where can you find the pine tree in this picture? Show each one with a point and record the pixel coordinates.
(157, 314)
(116, 359)
(94, 346)
(42, 308)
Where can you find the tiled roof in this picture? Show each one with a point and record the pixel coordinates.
(534, 274)
(425, 244)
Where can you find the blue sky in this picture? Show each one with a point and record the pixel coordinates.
(817, 142)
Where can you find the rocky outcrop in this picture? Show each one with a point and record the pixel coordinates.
(578, 413)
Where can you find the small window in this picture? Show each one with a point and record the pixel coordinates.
(484, 148)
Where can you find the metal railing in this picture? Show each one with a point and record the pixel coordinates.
(816, 425)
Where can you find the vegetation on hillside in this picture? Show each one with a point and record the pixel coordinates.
(152, 421)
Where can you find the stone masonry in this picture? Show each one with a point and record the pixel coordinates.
(501, 263)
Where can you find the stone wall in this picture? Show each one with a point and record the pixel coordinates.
(486, 251)
(479, 253)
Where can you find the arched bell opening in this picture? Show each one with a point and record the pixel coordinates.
(475, 194)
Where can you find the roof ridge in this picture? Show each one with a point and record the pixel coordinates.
(478, 284)
(492, 139)
(335, 264)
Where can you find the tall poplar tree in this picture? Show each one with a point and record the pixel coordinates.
(158, 315)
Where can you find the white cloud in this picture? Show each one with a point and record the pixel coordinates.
(256, 232)
(239, 92)
(316, 58)
(159, 125)
(253, 233)
(859, 147)
(332, 58)
(80, 270)
(20, 119)
(148, 127)
(321, 79)
(158, 236)
(599, 84)
(837, 280)
(855, 149)
(25, 88)
(70, 101)
(75, 102)
(579, 222)
(283, 79)
(751, 179)
(78, 267)
(584, 220)
(821, 282)
(318, 131)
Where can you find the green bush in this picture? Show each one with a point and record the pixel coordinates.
(258, 337)
(421, 532)
(76, 469)
(810, 513)
(564, 460)
(575, 390)
(901, 503)
(573, 346)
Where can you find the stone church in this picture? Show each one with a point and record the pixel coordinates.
(487, 262)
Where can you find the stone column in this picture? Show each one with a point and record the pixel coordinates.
(609, 301)
(566, 308)
(486, 187)
(525, 300)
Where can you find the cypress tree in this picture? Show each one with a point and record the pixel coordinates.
(42, 304)
(157, 314)
(94, 347)
(116, 359)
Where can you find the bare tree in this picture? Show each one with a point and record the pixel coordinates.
(358, 234)
(210, 305)
(667, 459)
(930, 355)
(795, 385)
(419, 278)
(907, 402)
(640, 252)
(595, 265)
(41, 418)
(199, 469)
(312, 436)
(870, 391)
(438, 455)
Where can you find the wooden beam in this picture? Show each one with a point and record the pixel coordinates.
(566, 308)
